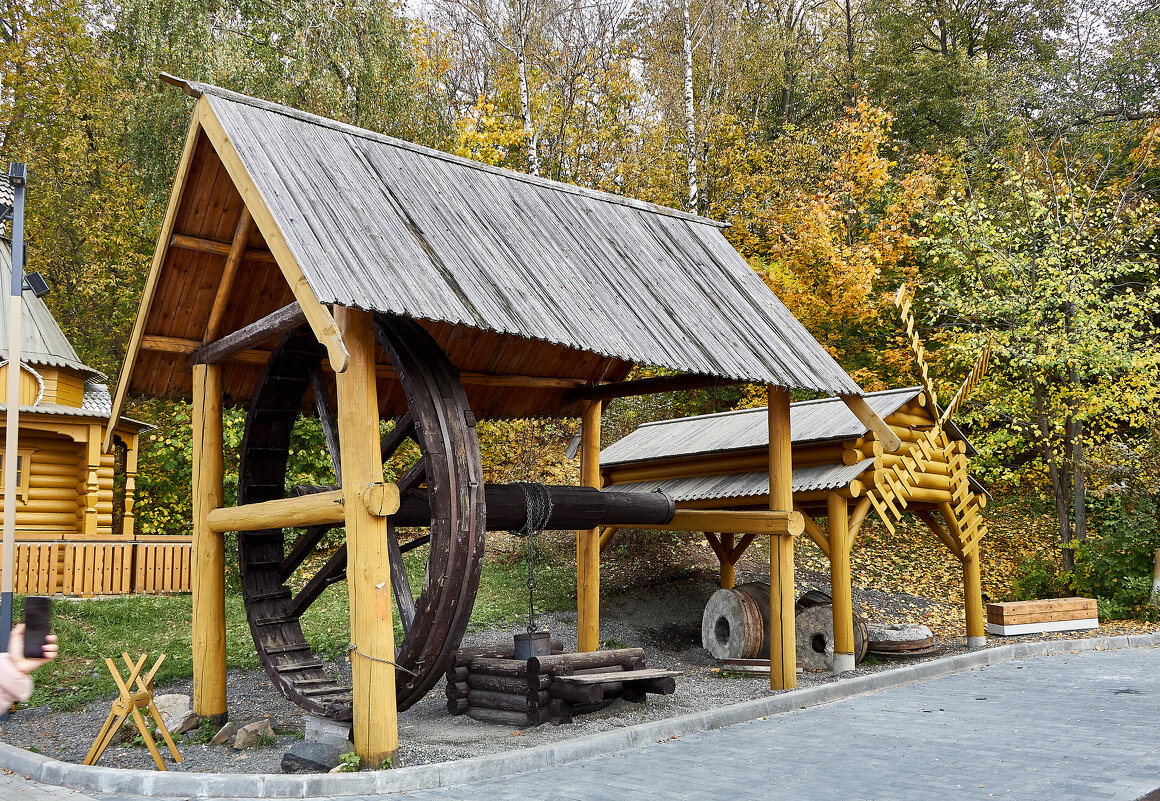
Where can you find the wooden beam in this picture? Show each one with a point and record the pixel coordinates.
(375, 724)
(588, 541)
(209, 554)
(316, 509)
(606, 535)
(756, 521)
(229, 271)
(937, 529)
(187, 347)
(187, 242)
(286, 318)
(856, 519)
(319, 317)
(159, 253)
(651, 386)
(869, 418)
(782, 638)
(814, 532)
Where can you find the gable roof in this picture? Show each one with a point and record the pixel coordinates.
(823, 420)
(41, 340)
(512, 274)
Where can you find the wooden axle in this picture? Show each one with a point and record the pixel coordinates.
(572, 508)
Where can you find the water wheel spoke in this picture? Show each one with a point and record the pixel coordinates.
(414, 476)
(332, 572)
(415, 543)
(327, 417)
(404, 430)
(302, 548)
(400, 584)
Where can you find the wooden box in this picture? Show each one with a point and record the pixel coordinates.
(1050, 614)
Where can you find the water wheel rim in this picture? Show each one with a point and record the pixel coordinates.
(454, 484)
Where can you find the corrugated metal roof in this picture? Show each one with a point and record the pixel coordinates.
(41, 340)
(376, 223)
(745, 429)
(741, 485)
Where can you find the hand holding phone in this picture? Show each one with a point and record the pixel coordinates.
(37, 617)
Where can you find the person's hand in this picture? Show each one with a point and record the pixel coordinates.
(16, 651)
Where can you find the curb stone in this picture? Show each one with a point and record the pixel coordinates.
(491, 766)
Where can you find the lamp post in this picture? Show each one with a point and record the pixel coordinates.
(16, 176)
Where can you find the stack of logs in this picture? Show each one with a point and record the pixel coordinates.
(491, 686)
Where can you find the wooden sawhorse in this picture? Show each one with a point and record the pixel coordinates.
(131, 703)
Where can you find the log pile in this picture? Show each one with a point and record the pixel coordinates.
(492, 686)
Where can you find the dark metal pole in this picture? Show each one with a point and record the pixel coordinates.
(16, 177)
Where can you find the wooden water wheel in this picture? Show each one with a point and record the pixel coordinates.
(447, 478)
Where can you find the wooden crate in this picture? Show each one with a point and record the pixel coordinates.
(1049, 614)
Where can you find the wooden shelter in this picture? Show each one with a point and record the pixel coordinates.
(840, 472)
(75, 531)
(308, 266)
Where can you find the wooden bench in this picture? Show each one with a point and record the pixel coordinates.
(1049, 614)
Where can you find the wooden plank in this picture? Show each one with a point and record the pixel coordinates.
(1039, 617)
(617, 676)
(1075, 603)
(242, 340)
(869, 418)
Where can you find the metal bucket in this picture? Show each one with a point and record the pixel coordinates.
(533, 643)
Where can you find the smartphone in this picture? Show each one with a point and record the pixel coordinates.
(37, 614)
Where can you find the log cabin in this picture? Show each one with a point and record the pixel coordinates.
(76, 530)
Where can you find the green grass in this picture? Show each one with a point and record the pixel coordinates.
(92, 629)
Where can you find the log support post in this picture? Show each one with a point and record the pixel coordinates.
(973, 597)
(972, 578)
(209, 560)
(782, 645)
(840, 590)
(368, 573)
(588, 541)
(728, 573)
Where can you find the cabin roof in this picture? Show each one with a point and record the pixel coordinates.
(511, 273)
(42, 342)
(745, 485)
(823, 420)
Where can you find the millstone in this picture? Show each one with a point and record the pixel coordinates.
(732, 626)
(815, 638)
(899, 637)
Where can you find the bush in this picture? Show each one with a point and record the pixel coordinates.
(1115, 564)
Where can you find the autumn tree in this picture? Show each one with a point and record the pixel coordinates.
(1052, 256)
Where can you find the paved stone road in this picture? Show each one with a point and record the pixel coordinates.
(1078, 726)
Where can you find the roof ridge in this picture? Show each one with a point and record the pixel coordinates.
(197, 89)
(754, 409)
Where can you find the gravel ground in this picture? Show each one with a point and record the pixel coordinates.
(665, 620)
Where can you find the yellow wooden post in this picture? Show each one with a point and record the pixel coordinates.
(209, 555)
(782, 645)
(128, 519)
(840, 591)
(588, 542)
(368, 571)
(728, 572)
(973, 598)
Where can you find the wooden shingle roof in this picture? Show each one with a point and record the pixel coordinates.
(512, 274)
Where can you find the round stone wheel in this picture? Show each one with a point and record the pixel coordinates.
(899, 637)
(732, 626)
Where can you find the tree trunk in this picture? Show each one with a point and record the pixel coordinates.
(1078, 485)
(1058, 475)
(690, 111)
(526, 112)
